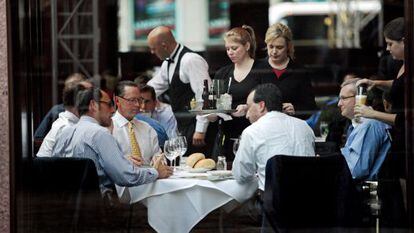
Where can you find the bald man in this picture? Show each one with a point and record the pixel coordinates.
(182, 74)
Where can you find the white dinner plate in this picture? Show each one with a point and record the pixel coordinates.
(220, 173)
(198, 170)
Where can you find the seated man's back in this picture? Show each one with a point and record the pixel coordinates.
(271, 133)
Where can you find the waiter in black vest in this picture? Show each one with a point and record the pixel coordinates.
(182, 74)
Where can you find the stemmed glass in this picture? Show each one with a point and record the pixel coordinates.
(170, 150)
(236, 143)
(182, 147)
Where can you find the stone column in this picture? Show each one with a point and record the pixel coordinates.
(4, 125)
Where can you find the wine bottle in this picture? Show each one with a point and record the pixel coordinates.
(205, 95)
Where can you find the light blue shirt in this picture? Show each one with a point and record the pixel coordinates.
(366, 148)
(161, 133)
(88, 139)
(165, 116)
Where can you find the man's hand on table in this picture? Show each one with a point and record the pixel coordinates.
(198, 139)
(164, 171)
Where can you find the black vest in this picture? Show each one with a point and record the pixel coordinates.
(180, 93)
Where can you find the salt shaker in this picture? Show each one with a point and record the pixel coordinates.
(221, 163)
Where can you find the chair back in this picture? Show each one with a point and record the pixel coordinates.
(309, 192)
(326, 148)
(63, 194)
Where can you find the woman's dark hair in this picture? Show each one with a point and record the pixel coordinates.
(394, 30)
(270, 94)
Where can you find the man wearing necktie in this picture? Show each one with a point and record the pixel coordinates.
(135, 137)
(90, 138)
(182, 74)
(367, 142)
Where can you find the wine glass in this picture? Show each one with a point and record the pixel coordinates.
(170, 150)
(236, 143)
(182, 145)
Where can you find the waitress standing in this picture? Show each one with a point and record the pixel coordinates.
(240, 77)
(280, 69)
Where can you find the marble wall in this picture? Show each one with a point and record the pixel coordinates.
(4, 125)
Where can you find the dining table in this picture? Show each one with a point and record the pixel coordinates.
(178, 203)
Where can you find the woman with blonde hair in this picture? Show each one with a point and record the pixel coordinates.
(281, 69)
(240, 78)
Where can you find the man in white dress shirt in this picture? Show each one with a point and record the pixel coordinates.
(158, 111)
(67, 118)
(182, 73)
(128, 99)
(272, 132)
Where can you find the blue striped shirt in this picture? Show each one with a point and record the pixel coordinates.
(87, 139)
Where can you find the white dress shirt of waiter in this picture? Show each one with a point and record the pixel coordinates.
(67, 118)
(193, 69)
(128, 99)
(271, 133)
(90, 139)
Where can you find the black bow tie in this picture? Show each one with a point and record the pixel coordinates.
(170, 60)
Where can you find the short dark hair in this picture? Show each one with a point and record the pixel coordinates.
(69, 94)
(120, 88)
(84, 97)
(270, 94)
(394, 30)
(149, 89)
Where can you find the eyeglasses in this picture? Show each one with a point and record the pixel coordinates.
(132, 100)
(345, 97)
(109, 103)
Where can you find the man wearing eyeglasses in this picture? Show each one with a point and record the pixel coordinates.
(136, 137)
(90, 138)
(367, 140)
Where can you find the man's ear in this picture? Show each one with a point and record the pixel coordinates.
(247, 46)
(262, 106)
(164, 45)
(93, 106)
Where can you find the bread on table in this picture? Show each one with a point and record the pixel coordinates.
(198, 160)
(205, 163)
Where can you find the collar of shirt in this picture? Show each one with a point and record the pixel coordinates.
(89, 119)
(272, 114)
(160, 107)
(119, 120)
(174, 53)
(69, 116)
(355, 123)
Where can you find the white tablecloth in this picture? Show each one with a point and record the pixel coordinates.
(177, 205)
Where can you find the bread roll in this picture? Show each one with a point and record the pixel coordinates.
(205, 163)
(194, 158)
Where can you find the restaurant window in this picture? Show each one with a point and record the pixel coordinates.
(218, 20)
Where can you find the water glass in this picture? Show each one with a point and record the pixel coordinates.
(171, 150)
(221, 163)
(236, 143)
(226, 100)
(182, 148)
